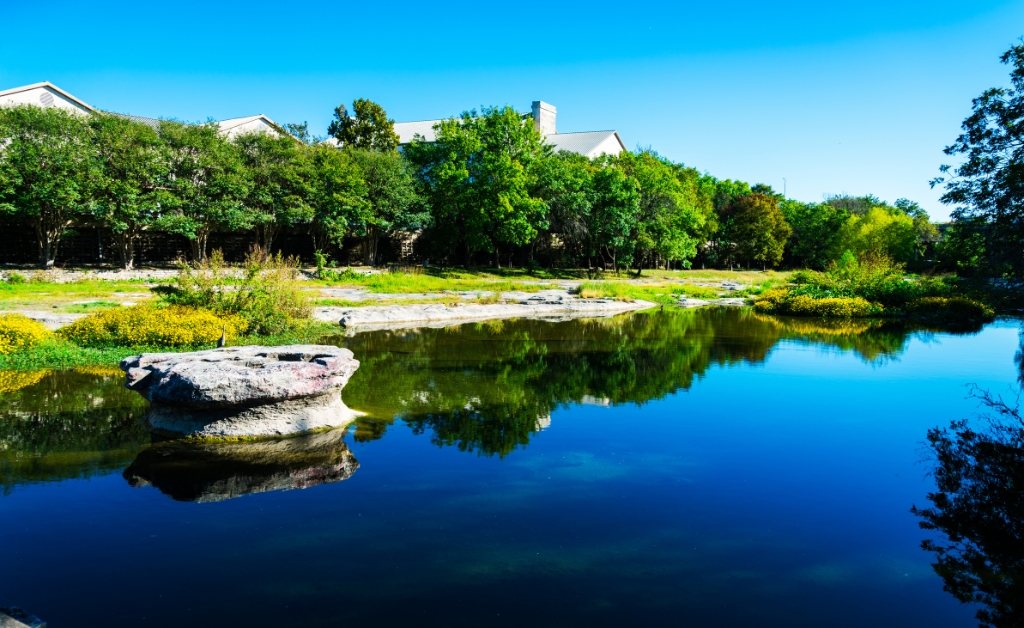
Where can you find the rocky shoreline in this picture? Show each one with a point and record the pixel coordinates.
(431, 314)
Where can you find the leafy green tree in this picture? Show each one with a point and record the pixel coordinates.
(209, 184)
(391, 202)
(670, 217)
(337, 194)
(962, 250)
(277, 183)
(881, 231)
(757, 228)
(927, 232)
(47, 171)
(817, 233)
(370, 128)
(132, 169)
(989, 184)
(479, 177)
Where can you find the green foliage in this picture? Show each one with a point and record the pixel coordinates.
(988, 187)
(391, 203)
(882, 231)
(817, 233)
(47, 171)
(13, 277)
(132, 169)
(277, 174)
(672, 212)
(963, 249)
(337, 194)
(478, 177)
(209, 184)
(947, 310)
(370, 128)
(755, 228)
(265, 293)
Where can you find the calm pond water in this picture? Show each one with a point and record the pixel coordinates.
(704, 468)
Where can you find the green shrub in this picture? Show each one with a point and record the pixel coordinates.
(783, 301)
(265, 292)
(18, 332)
(949, 310)
(13, 277)
(175, 326)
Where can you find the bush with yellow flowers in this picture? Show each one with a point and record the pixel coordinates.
(19, 332)
(949, 310)
(174, 326)
(783, 301)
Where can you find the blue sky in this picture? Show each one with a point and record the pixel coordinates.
(856, 99)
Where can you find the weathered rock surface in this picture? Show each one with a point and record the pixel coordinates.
(210, 472)
(536, 306)
(243, 391)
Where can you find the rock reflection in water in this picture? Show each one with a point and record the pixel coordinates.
(210, 472)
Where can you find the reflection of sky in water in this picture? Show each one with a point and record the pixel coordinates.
(768, 493)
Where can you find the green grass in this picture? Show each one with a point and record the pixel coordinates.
(453, 281)
(661, 292)
(89, 307)
(61, 354)
(41, 295)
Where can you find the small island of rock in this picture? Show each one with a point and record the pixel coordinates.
(243, 391)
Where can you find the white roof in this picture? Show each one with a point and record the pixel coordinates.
(231, 123)
(407, 130)
(47, 85)
(589, 143)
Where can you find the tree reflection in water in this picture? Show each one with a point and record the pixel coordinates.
(483, 387)
(979, 508)
(487, 387)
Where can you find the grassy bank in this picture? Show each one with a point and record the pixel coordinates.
(56, 353)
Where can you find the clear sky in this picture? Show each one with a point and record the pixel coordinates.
(858, 97)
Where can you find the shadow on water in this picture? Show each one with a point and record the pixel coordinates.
(481, 387)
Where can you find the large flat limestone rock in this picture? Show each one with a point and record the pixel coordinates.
(243, 391)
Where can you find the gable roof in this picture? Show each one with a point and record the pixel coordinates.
(226, 126)
(50, 86)
(586, 142)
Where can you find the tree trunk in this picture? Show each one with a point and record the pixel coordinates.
(370, 247)
(265, 235)
(468, 255)
(125, 243)
(497, 257)
(199, 245)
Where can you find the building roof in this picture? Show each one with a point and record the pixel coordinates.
(407, 130)
(151, 122)
(584, 143)
(47, 85)
(230, 123)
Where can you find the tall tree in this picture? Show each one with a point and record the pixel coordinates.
(132, 179)
(392, 203)
(671, 217)
(209, 184)
(369, 128)
(479, 176)
(817, 233)
(757, 228)
(277, 183)
(337, 195)
(989, 184)
(47, 171)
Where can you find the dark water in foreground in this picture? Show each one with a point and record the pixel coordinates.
(708, 468)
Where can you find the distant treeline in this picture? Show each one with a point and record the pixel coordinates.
(488, 190)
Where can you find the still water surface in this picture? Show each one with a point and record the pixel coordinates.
(704, 468)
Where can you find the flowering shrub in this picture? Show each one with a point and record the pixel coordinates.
(949, 309)
(148, 325)
(782, 301)
(19, 332)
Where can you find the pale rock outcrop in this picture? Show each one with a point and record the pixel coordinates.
(243, 391)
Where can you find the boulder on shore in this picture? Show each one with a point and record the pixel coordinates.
(243, 391)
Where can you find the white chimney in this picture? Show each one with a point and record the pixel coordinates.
(544, 117)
